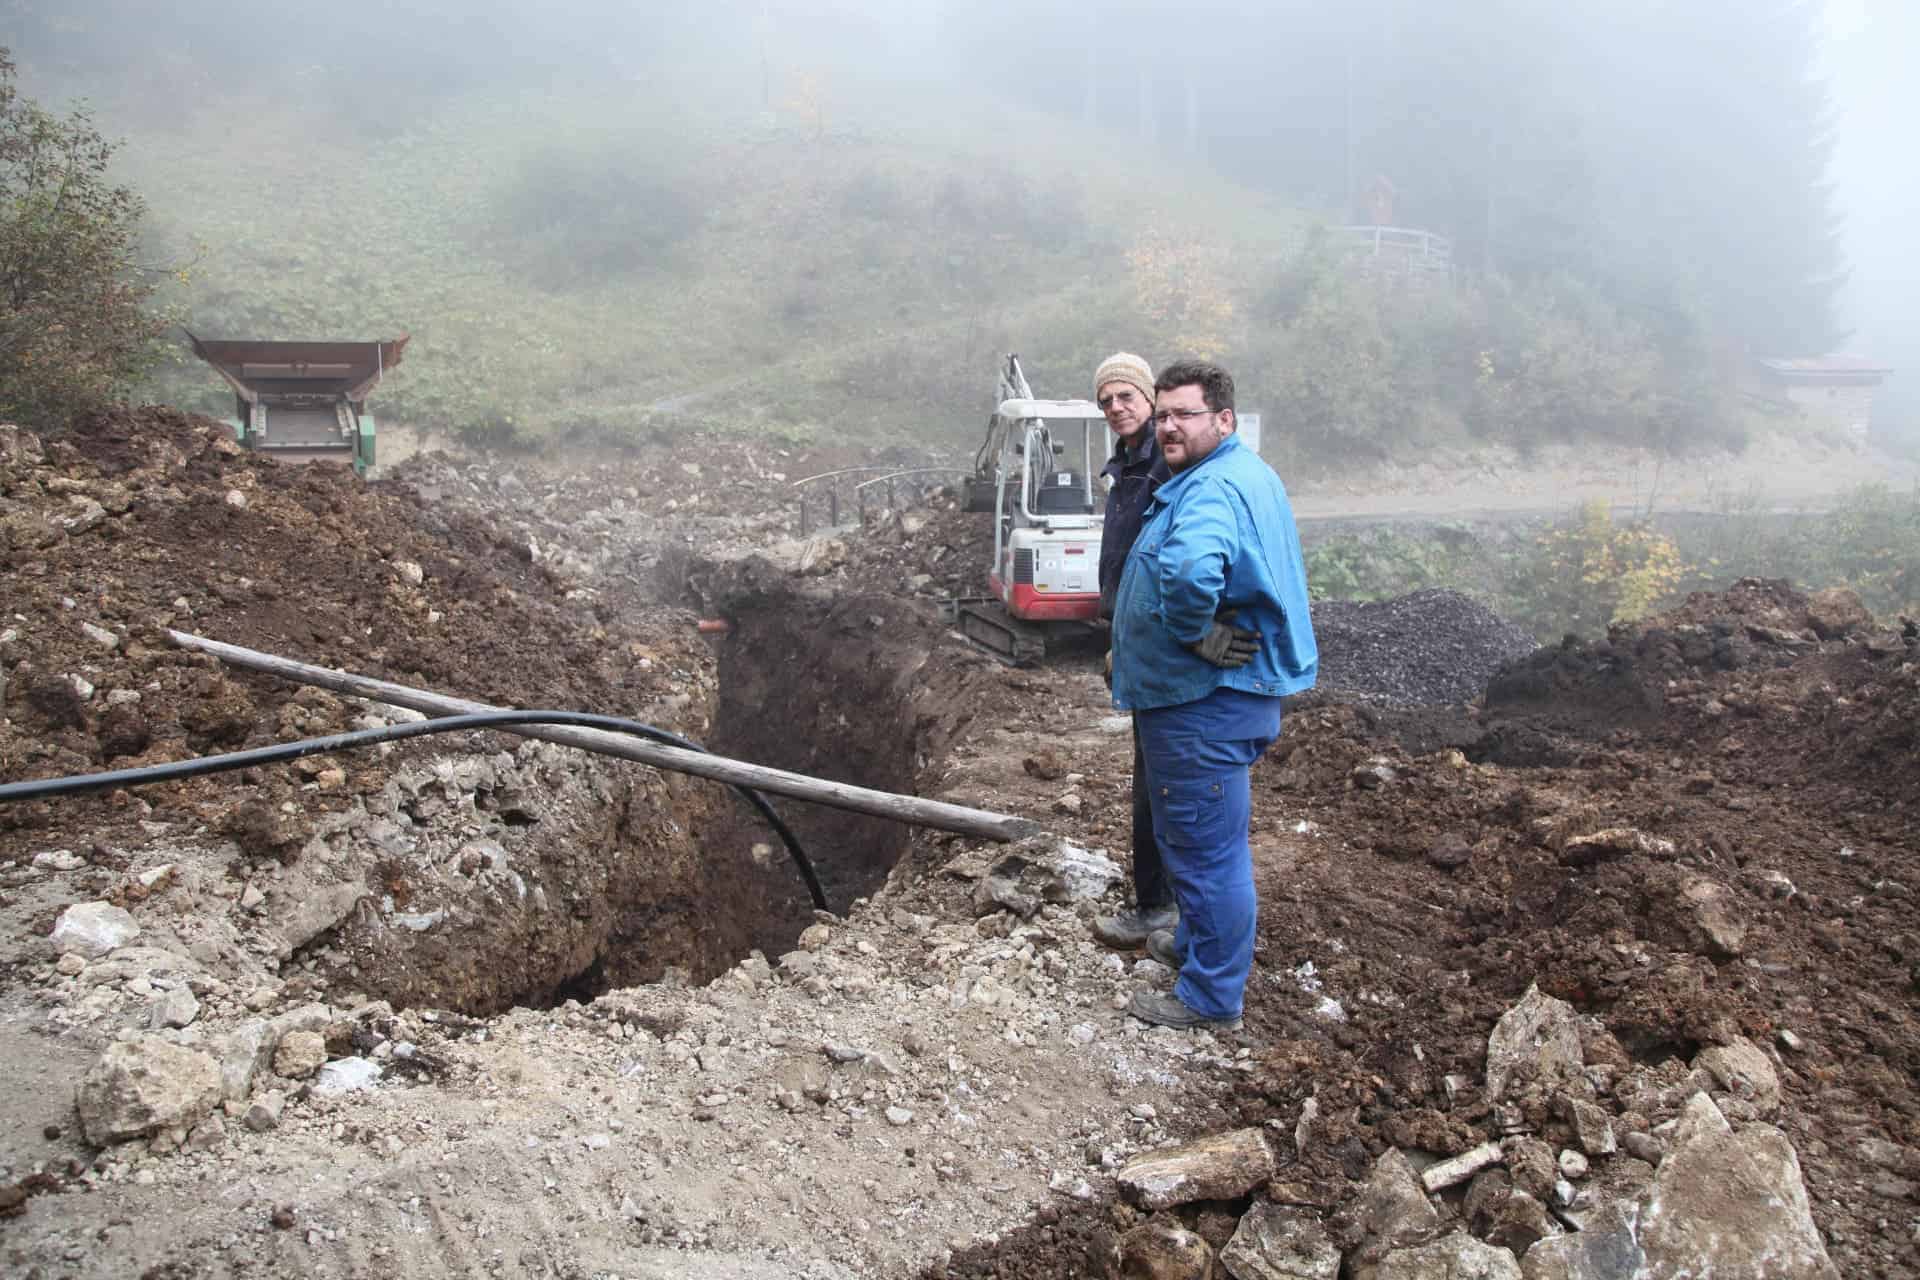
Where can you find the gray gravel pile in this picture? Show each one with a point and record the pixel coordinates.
(1430, 648)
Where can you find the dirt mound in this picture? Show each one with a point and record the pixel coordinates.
(151, 519)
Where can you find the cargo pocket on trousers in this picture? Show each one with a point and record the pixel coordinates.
(1196, 812)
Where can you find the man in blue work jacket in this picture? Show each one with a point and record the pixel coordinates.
(1123, 388)
(1211, 631)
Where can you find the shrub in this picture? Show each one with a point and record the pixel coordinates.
(1380, 564)
(77, 324)
(1585, 573)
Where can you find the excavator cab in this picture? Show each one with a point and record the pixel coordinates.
(1035, 473)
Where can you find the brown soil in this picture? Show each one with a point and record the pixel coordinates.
(1413, 856)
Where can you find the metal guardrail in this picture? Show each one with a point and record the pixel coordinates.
(1414, 248)
(860, 490)
(832, 500)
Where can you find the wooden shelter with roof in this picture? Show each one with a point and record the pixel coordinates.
(1834, 391)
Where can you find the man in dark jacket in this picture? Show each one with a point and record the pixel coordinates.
(1123, 388)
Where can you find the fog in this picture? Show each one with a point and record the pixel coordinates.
(1877, 187)
(1726, 179)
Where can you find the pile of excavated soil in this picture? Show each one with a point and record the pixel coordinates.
(1696, 834)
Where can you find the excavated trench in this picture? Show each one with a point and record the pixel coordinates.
(835, 689)
(645, 877)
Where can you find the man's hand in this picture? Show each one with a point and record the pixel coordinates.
(1225, 645)
(1106, 672)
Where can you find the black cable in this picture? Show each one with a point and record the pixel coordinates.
(80, 784)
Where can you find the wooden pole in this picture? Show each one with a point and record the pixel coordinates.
(880, 804)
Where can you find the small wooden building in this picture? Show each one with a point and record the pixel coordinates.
(1833, 391)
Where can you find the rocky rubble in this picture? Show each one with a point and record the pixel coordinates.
(1602, 977)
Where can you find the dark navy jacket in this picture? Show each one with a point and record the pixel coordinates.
(1134, 482)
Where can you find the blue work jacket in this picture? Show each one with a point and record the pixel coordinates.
(1219, 535)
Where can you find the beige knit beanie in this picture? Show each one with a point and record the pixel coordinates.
(1124, 366)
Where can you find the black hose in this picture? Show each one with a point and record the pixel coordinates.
(80, 784)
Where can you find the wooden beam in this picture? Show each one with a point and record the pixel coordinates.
(912, 810)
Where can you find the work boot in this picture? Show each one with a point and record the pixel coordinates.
(1160, 947)
(1169, 1011)
(1131, 927)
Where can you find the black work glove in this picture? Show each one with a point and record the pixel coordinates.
(1226, 645)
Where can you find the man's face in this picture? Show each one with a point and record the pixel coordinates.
(1126, 408)
(1186, 440)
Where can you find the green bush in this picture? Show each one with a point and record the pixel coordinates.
(1380, 564)
(77, 322)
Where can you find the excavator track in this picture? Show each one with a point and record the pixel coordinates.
(987, 624)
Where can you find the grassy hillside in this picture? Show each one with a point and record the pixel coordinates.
(579, 263)
(564, 262)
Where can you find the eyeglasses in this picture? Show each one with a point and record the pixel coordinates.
(1183, 416)
(1122, 397)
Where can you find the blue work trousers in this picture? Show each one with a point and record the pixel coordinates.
(1201, 809)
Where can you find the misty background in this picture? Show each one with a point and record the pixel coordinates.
(823, 217)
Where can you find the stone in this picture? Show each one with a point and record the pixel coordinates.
(306, 1017)
(1079, 875)
(209, 1135)
(70, 965)
(1277, 1243)
(1732, 1206)
(100, 636)
(1644, 1146)
(92, 929)
(1573, 1165)
(1531, 1164)
(1837, 612)
(1540, 1032)
(300, 1054)
(1448, 852)
(175, 1008)
(1615, 842)
(244, 1052)
(1604, 1249)
(1456, 1257)
(1721, 930)
(1162, 1250)
(58, 860)
(1391, 1212)
(263, 1113)
(346, 1075)
(1518, 1222)
(1743, 1069)
(144, 1085)
(1592, 1126)
(997, 893)
(1219, 1167)
(1888, 1155)
(1487, 1193)
(1461, 1167)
